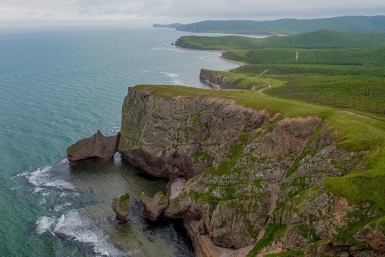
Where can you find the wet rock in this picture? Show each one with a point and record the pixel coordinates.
(153, 207)
(96, 147)
(121, 207)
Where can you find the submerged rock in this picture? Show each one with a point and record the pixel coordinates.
(121, 207)
(152, 207)
(96, 147)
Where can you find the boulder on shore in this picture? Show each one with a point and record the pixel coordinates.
(152, 207)
(96, 147)
(121, 207)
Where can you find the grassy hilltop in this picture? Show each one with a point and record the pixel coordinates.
(360, 24)
(325, 67)
(317, 39)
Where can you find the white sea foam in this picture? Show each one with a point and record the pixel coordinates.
(44, 224)
(60, 184)
(167, 47)
(114, 130)
(38, 189)
(173, 78)
(20, 175)
(61, 207)
(45, 177)
(39, 176)
(75, 227)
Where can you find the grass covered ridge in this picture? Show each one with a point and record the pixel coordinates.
(356, 134)
(310, 40)
(362, 24)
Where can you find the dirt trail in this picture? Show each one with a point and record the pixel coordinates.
(260, 91)
(361, 116)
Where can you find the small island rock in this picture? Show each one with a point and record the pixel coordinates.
(121, 207)
(96, 147)
(152, 207)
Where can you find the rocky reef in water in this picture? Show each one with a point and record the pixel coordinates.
(253, 179)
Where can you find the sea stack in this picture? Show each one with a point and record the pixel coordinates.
(121, 207)
(153, 207)
(96, 147)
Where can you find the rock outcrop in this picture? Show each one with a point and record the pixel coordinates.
(251, 176)
(121, 206)
(152, 207)
(217, 80)
(182, 137)
(96, 147)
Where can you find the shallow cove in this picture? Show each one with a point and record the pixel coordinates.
(86, 220)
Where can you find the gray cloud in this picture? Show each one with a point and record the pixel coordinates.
(188, 10)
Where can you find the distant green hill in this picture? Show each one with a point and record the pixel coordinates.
(317, 39)
(359, 24)
(360, 57)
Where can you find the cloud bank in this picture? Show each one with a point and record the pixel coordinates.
(185, 10)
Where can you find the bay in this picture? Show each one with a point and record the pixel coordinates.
(57, 85)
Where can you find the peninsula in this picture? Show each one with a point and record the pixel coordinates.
(286, 159)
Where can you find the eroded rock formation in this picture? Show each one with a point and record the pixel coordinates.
(96, 147)
(152, 207)
(121, 206)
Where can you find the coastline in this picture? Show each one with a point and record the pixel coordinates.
(228, 60)
(212, 85)
(217, 51)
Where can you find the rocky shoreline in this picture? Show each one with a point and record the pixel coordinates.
(240, 176)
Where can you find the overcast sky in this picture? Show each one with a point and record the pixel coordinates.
(184, 11)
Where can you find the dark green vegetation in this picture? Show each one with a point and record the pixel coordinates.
(361, 24)
(351, 78)
(316, 39)
(354, 87)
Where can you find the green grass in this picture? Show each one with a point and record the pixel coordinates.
(361, 93)
(360, 24)
(230, 80)
(272, 232)
(321, 84)
(312, 40)
(202, 156)
(359, 187)
(290, 253)
(373, 56)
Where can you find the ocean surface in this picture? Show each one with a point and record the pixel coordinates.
(61, 84)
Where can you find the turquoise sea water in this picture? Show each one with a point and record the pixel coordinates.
(60, 84)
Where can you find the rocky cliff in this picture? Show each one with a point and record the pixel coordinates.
(217, 80)
(254, 178)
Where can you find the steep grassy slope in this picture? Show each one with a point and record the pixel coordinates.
(316, 39)
(361, 24)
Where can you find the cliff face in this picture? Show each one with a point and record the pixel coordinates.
(181, 136)
(252, 177)
(217, 80)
